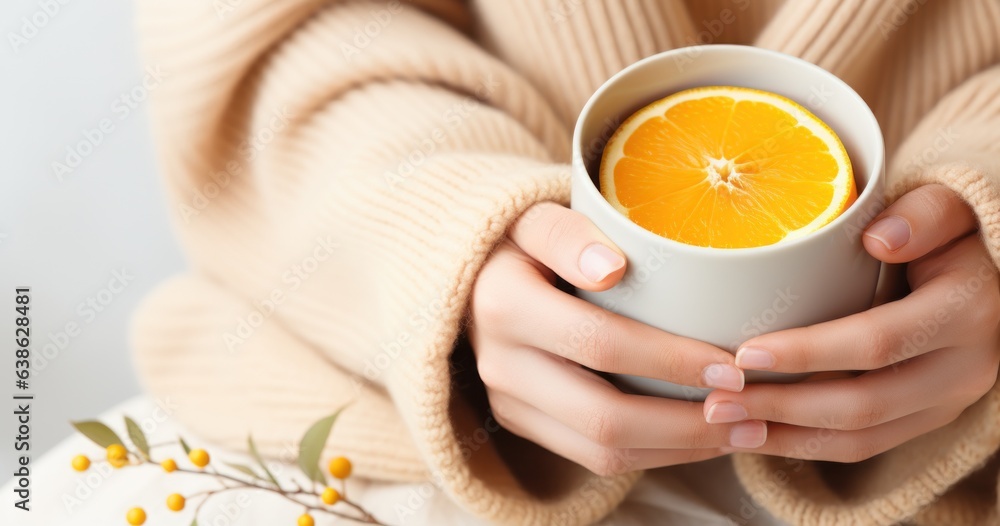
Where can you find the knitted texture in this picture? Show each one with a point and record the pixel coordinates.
(339, 171)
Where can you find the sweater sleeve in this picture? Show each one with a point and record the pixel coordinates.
(955, 145)
(339, 171)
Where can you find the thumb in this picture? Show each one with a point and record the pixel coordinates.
(920, 221)
(569, 244)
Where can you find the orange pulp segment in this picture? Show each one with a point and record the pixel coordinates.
(727, 167)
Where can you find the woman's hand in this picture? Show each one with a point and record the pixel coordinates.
(532, 340)
(925, 357)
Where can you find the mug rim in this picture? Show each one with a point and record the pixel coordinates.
(872, 185)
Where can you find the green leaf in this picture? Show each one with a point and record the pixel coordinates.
(245, 470)
(194, 522)
(187, 448)
(137, 436)
(260, 461)
(311, 447)
(97, 432)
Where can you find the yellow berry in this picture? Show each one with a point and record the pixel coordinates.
(136, 516)
(169, 465)
(81, 463)
(117, 452)
(199, 457)
(306, 520)
(340, 468)
(330, 496)
(175, 502)
(118, 462)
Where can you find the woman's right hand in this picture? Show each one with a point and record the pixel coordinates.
(532, 340)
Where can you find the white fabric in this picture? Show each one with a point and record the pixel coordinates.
(699, 494)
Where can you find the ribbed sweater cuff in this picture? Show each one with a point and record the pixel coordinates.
(797, 492)
(420, 381)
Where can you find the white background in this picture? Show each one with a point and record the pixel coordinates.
(64, 239)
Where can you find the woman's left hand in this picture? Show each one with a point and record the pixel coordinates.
(924, 358)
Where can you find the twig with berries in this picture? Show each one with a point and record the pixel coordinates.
(321, 499)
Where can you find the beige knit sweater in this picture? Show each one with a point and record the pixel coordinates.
(339, 171)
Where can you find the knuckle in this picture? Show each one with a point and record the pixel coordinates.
(672, 366)
(604, 426)
(608, 462)
(561, 226)
(596, 349)
(882, 345)
(702, 435)
(769, 406)
(937, 202)
(868, 411)
(806, 339)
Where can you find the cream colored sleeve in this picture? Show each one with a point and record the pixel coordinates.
(338, 172)
(956, 145)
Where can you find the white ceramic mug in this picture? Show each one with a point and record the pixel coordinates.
(727, 296)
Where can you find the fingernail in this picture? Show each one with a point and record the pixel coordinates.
(750, 358)
(725, 413)
(748, 435)
(597, 261)
(892, 231)
(723, 376)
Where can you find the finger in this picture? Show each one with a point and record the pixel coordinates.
(967, 256)
(536, 314)
(569, 244)
(594, 408)
(933, 316)
(917, 223)
(528, 422)
(955, 377)
(851, 446)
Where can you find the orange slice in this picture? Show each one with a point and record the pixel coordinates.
(727, 167)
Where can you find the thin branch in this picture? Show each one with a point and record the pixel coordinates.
(289, 495)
